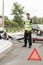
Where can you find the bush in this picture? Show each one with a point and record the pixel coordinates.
(10, 23)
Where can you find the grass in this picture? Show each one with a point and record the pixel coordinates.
(13, 29)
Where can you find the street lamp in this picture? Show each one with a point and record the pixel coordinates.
(3, 12)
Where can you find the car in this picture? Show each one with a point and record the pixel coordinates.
(38, 28)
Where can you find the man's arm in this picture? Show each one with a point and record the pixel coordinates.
(30, 20)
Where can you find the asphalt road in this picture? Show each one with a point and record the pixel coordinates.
(19, 55)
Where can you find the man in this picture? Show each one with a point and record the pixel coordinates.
(28, 29)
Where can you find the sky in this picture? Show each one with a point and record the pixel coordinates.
(34, 7)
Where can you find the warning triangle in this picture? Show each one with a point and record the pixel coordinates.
(34, 55)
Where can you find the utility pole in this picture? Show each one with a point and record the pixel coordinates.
(3, 13)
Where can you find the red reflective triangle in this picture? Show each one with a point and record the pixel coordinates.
(34, 55)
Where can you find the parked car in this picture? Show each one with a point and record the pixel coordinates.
(38, 28)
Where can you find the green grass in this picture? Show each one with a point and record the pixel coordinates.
(13, 29)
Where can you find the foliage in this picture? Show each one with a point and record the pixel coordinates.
(37, 20)
(18, 12)
(10, 23)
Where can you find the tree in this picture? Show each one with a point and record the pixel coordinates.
(35, 20)
(6, 20)
(18, 12)
(10, 23)
(40, 20)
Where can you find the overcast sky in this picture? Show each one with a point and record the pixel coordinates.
(34, 7)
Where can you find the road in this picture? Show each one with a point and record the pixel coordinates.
(19, 55)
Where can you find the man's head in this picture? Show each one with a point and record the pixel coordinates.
(28, 15)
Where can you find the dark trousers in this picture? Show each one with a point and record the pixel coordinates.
(27, 35)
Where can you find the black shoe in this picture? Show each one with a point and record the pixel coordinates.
(24, 46)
